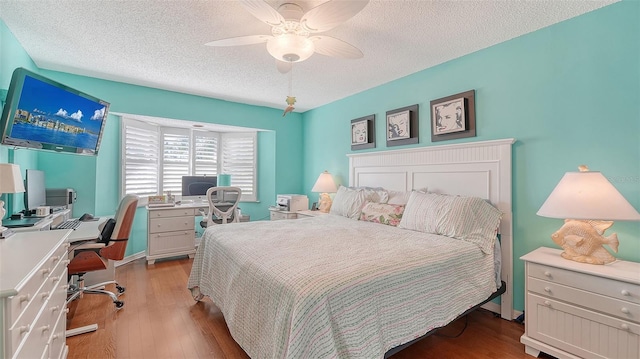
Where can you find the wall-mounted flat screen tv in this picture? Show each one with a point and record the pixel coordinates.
(44, 114)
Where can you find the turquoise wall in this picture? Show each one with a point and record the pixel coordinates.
(569, 94)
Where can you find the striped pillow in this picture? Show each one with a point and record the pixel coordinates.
(467, 218)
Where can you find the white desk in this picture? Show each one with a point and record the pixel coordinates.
(45, 223)
(33, 288)
(171, 230)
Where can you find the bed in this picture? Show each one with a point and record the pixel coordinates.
(338, 287)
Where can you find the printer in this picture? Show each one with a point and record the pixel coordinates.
(292, 202)
(60, 198)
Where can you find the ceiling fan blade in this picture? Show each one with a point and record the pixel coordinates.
(240, 40)
(263, 11)
(330, 46)
(330, 14)
(283, 67)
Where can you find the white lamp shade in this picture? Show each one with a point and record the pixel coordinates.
(325, 184)
(587, 195)
(290, 47)
(10, 178)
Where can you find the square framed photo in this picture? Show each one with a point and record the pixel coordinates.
(402, 126)
(453, 117)
(363, 133)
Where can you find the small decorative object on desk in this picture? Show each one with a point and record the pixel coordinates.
(161, 201)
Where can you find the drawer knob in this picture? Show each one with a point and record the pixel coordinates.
(45, 328)
(547, 274)
(46, 271)
(547, 289)
(55, 259)
(625, 310)
(55, 309)
(547, 303)
(625, 293)
(45, 295)
(624, 327)
(23, 329)
(25, 298)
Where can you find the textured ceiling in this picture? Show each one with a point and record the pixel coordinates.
(161, 43)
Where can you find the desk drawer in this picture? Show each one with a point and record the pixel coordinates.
(157, 225)
(605, 286)
(170, 242)
(174, 212)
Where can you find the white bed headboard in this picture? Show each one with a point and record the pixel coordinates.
(480, 169)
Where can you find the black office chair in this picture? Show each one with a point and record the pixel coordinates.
(223, 206)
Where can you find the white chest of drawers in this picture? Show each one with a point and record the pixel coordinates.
(578, 310)
(33, 286)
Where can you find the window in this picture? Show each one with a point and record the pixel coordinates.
(155, 157)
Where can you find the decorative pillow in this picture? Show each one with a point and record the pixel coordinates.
(348, 202)
(389, 214)
(467, 218)
(374, 194)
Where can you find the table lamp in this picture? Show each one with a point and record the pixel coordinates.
(324, 184)
(10, 182)
(589, 203)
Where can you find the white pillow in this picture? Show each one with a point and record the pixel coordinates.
(348, 202)
(401, 197)
(467, 218)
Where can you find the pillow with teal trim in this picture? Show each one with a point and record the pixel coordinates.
(389, 214)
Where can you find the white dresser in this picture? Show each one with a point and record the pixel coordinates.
(33, 291)
(578, 310)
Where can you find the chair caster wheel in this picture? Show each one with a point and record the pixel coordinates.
(119, 304)
(120, 289)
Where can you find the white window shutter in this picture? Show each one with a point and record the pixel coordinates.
(239, 161)
(205, 154)
(140, 158)
(176, 147)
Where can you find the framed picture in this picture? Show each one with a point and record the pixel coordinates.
(363, 133)
(453, 117)
(402, 126)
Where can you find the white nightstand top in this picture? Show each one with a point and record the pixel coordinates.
(312, 213)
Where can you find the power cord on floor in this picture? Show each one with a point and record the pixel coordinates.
(466, 322)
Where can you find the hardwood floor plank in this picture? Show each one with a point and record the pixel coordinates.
(160, 319)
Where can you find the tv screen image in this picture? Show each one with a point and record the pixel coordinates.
(44, 114)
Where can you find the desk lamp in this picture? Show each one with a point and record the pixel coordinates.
(590, 204)
(10, 182)
(324, 184)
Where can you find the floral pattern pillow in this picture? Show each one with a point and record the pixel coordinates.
(389, 214)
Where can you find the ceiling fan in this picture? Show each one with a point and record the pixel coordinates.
(292, 38)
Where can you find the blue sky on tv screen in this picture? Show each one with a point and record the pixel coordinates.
(57, 104)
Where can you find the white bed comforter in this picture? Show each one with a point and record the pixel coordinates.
(332, 287)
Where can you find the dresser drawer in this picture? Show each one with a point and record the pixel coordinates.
(605, 286)
(177, 212)
(169, 224)
(35, 340)
(21, 303)
(619, 308)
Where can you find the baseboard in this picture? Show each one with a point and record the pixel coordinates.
(495, 307)
(129, 259)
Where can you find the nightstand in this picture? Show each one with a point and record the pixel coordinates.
(581, 310)
(276, 214)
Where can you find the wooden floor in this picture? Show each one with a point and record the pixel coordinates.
(160, 319)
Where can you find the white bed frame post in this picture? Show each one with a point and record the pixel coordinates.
(481, 169)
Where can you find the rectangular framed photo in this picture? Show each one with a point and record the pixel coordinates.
(363, 133)
(402, 126)
(453, 117)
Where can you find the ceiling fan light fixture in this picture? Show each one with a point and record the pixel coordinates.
(290, 47)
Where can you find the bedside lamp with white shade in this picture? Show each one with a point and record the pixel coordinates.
(589, 203)
(10, 182)
(325, 185)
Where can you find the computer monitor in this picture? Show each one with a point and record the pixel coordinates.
(194, 188)
(35, 192)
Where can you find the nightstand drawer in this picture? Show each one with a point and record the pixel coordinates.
(600, 303)
(605, 286)
(580, 331)
(275, 215)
